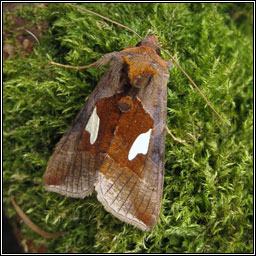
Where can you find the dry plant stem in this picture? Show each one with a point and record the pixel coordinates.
(31, 224)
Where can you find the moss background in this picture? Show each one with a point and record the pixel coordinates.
(207, 203)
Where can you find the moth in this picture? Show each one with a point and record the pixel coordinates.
(116, 144)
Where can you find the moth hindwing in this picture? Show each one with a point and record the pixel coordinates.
(116, 143)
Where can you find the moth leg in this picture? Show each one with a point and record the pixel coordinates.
(169, 62)
(103, 61)
(175, 54)
(174, 138)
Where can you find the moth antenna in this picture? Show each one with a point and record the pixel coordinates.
(31, 224)
(69, 66)
(196, 87)
(176, 63)
(107, 19)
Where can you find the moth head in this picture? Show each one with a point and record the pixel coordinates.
(152, 42)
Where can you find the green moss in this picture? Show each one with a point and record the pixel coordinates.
(208, 191)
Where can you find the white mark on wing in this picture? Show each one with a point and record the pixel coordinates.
(93, 126)
(140, 145)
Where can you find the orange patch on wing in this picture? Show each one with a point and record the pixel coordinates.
(118, 130)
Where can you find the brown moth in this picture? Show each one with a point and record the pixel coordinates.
(116, 144)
